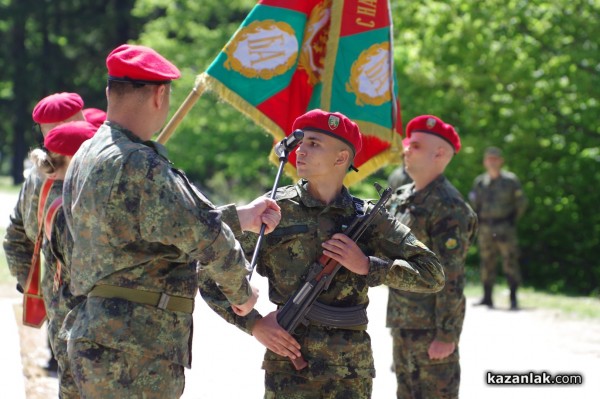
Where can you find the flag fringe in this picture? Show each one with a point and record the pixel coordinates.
(243, 106)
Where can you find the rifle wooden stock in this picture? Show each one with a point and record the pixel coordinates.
(320, 275)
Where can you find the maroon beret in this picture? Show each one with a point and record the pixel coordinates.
(65, 139)
(139, 64)
(333, 124)
(57, 107)
(94, 116)
(434, 125)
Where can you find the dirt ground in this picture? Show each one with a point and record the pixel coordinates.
(493, 340)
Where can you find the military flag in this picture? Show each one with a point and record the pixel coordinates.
(291, 56)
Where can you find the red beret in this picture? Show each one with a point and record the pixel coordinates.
(139, 64)
(65, 139)
(57, 107)
(434, 125)
(94, 116)
(332, 123)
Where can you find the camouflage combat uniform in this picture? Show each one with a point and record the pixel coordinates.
(439, 217)
(22, 231)
(58, 245)
(398, 177)
(141, 230)
(499, 203)
(19, 244)
(340, 361)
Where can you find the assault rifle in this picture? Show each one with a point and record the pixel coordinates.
(302, 306)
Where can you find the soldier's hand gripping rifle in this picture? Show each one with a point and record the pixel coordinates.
(302, 305)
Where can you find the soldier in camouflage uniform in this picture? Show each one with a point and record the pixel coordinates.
(141, 231)
(59, 146)
(314, 213)
(21, 234)
(426, 328)
(499, 201)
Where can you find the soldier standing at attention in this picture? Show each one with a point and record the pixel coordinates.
(314, 213)
(426, 328)
(499, 201)
(59, 146)
(141, 230)
(23, 230)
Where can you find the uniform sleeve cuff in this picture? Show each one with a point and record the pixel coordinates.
(229, 216)
(445, 336)
(378, 269)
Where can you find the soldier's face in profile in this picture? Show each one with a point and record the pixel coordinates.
(419, 153)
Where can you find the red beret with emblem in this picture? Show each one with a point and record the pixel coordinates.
(434, 125)
(57, 107)
(333, 124)
(140, 64)
(65, 139)
(94, 116)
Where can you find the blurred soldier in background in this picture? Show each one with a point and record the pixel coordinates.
(499, 201)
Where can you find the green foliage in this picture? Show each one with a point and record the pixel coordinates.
(222, 151)
(522, 76)
(516, 74)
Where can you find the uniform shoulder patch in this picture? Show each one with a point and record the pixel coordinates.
(451, 243)
(286, 192)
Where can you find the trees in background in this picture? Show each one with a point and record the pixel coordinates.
(520, 75)
(53, 46)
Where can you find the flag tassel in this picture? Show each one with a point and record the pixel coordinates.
(197, 91)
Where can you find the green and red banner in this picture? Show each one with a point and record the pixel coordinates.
(289, 57)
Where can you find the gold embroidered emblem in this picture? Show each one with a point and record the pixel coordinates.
(312, 55)
(451, 243)
(263, 49)
(370, 78)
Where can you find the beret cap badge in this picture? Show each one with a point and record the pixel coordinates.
(430, 123)
(333, 122)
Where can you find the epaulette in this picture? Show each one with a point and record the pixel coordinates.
(286, 192)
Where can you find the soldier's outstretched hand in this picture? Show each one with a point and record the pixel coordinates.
(269, 333)
(261, 210)
(246, 307)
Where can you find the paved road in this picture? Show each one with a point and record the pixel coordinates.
(7, 203)
(227, 361)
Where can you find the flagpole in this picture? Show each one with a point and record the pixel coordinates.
(192, 98)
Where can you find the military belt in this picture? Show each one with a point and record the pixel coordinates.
(348, 318)
(160, 300)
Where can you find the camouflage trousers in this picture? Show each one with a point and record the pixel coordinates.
(419, 377)
(67, 388)
(102, 372)
(288, 386)
(499, 240)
